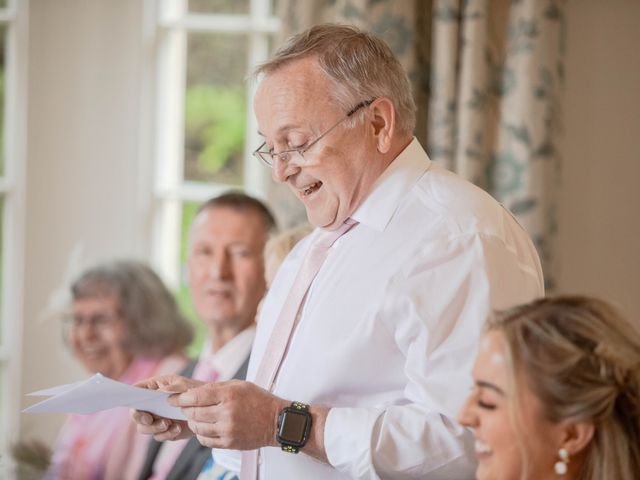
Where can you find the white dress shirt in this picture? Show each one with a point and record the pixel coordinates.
(387, 335)
(230, 357)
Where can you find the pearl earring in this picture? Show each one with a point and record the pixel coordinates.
(560, 466)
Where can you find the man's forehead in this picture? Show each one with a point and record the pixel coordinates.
(289, 92)
(220, 218)
(213, 213)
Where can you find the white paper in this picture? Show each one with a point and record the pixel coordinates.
(101, 393)
(47, 392)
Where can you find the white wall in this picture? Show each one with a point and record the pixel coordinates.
(83, 170)
(599, 217)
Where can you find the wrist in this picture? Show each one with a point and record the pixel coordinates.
(279, 405)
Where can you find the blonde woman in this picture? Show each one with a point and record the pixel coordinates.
(279, 246)
(557, 393)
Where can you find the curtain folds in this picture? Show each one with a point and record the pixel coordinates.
(487, 78)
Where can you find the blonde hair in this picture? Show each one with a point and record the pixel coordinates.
(581, 359)
(360, 66)
(279, 246)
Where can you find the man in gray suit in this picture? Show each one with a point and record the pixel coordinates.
(226, 283)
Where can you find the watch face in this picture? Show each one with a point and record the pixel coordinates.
(293, 426)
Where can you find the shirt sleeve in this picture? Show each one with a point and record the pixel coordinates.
(434, 309)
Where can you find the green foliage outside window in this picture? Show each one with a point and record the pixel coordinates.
(183, 297)
(215, 123)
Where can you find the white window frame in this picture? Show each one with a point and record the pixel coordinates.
(12, 190)
(168, 26)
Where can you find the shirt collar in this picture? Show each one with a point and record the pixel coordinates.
(231, 355)
(395, 182)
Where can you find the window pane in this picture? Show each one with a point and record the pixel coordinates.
(215, 108)
(219, 6)
(3, 36)
(184, 299)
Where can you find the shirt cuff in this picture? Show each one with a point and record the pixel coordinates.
(228, 459)
(347, 437)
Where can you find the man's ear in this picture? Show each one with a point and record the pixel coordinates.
(383, 121)
(577, 436)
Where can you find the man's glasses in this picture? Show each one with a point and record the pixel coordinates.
(268, 157)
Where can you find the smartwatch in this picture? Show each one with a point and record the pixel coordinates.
(294, 425)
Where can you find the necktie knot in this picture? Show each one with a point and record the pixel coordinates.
(205, 372)
(327, 238)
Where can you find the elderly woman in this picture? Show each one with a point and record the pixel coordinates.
(125, 324)
(557, 393)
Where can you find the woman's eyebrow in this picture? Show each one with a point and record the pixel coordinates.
(490, 386)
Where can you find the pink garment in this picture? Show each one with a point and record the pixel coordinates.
(170, 451)
(105, 445)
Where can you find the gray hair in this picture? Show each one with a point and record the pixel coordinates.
(360, 65)
(154, 325)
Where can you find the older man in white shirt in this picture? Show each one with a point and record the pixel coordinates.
(362, 377)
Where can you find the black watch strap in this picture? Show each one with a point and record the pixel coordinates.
(294, 425)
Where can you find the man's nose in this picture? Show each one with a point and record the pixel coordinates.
(85, 330)
(220, 267)
(283, 168)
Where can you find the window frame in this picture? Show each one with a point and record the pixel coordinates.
(12, 191)
(168, 27)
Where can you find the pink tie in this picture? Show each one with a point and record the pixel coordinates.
(279, 341)
(205, 372)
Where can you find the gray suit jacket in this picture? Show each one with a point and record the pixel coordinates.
(191, 460)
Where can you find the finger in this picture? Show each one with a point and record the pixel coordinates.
(141, 418)
(201, 396)
(149, 424)
(149, 383)
(154, 383)
(204, 429)
(181, 385)
(159, 426)
(167, 436)
(176, 384)
(177, 431)
(208, 414)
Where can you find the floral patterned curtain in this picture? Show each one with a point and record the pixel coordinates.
(487, 77)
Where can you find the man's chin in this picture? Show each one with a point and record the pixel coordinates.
(221, 319)
(327, 222)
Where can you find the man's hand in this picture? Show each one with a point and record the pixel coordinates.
(235, 414)
(164, 428)
(169, 383)
(161, 428)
